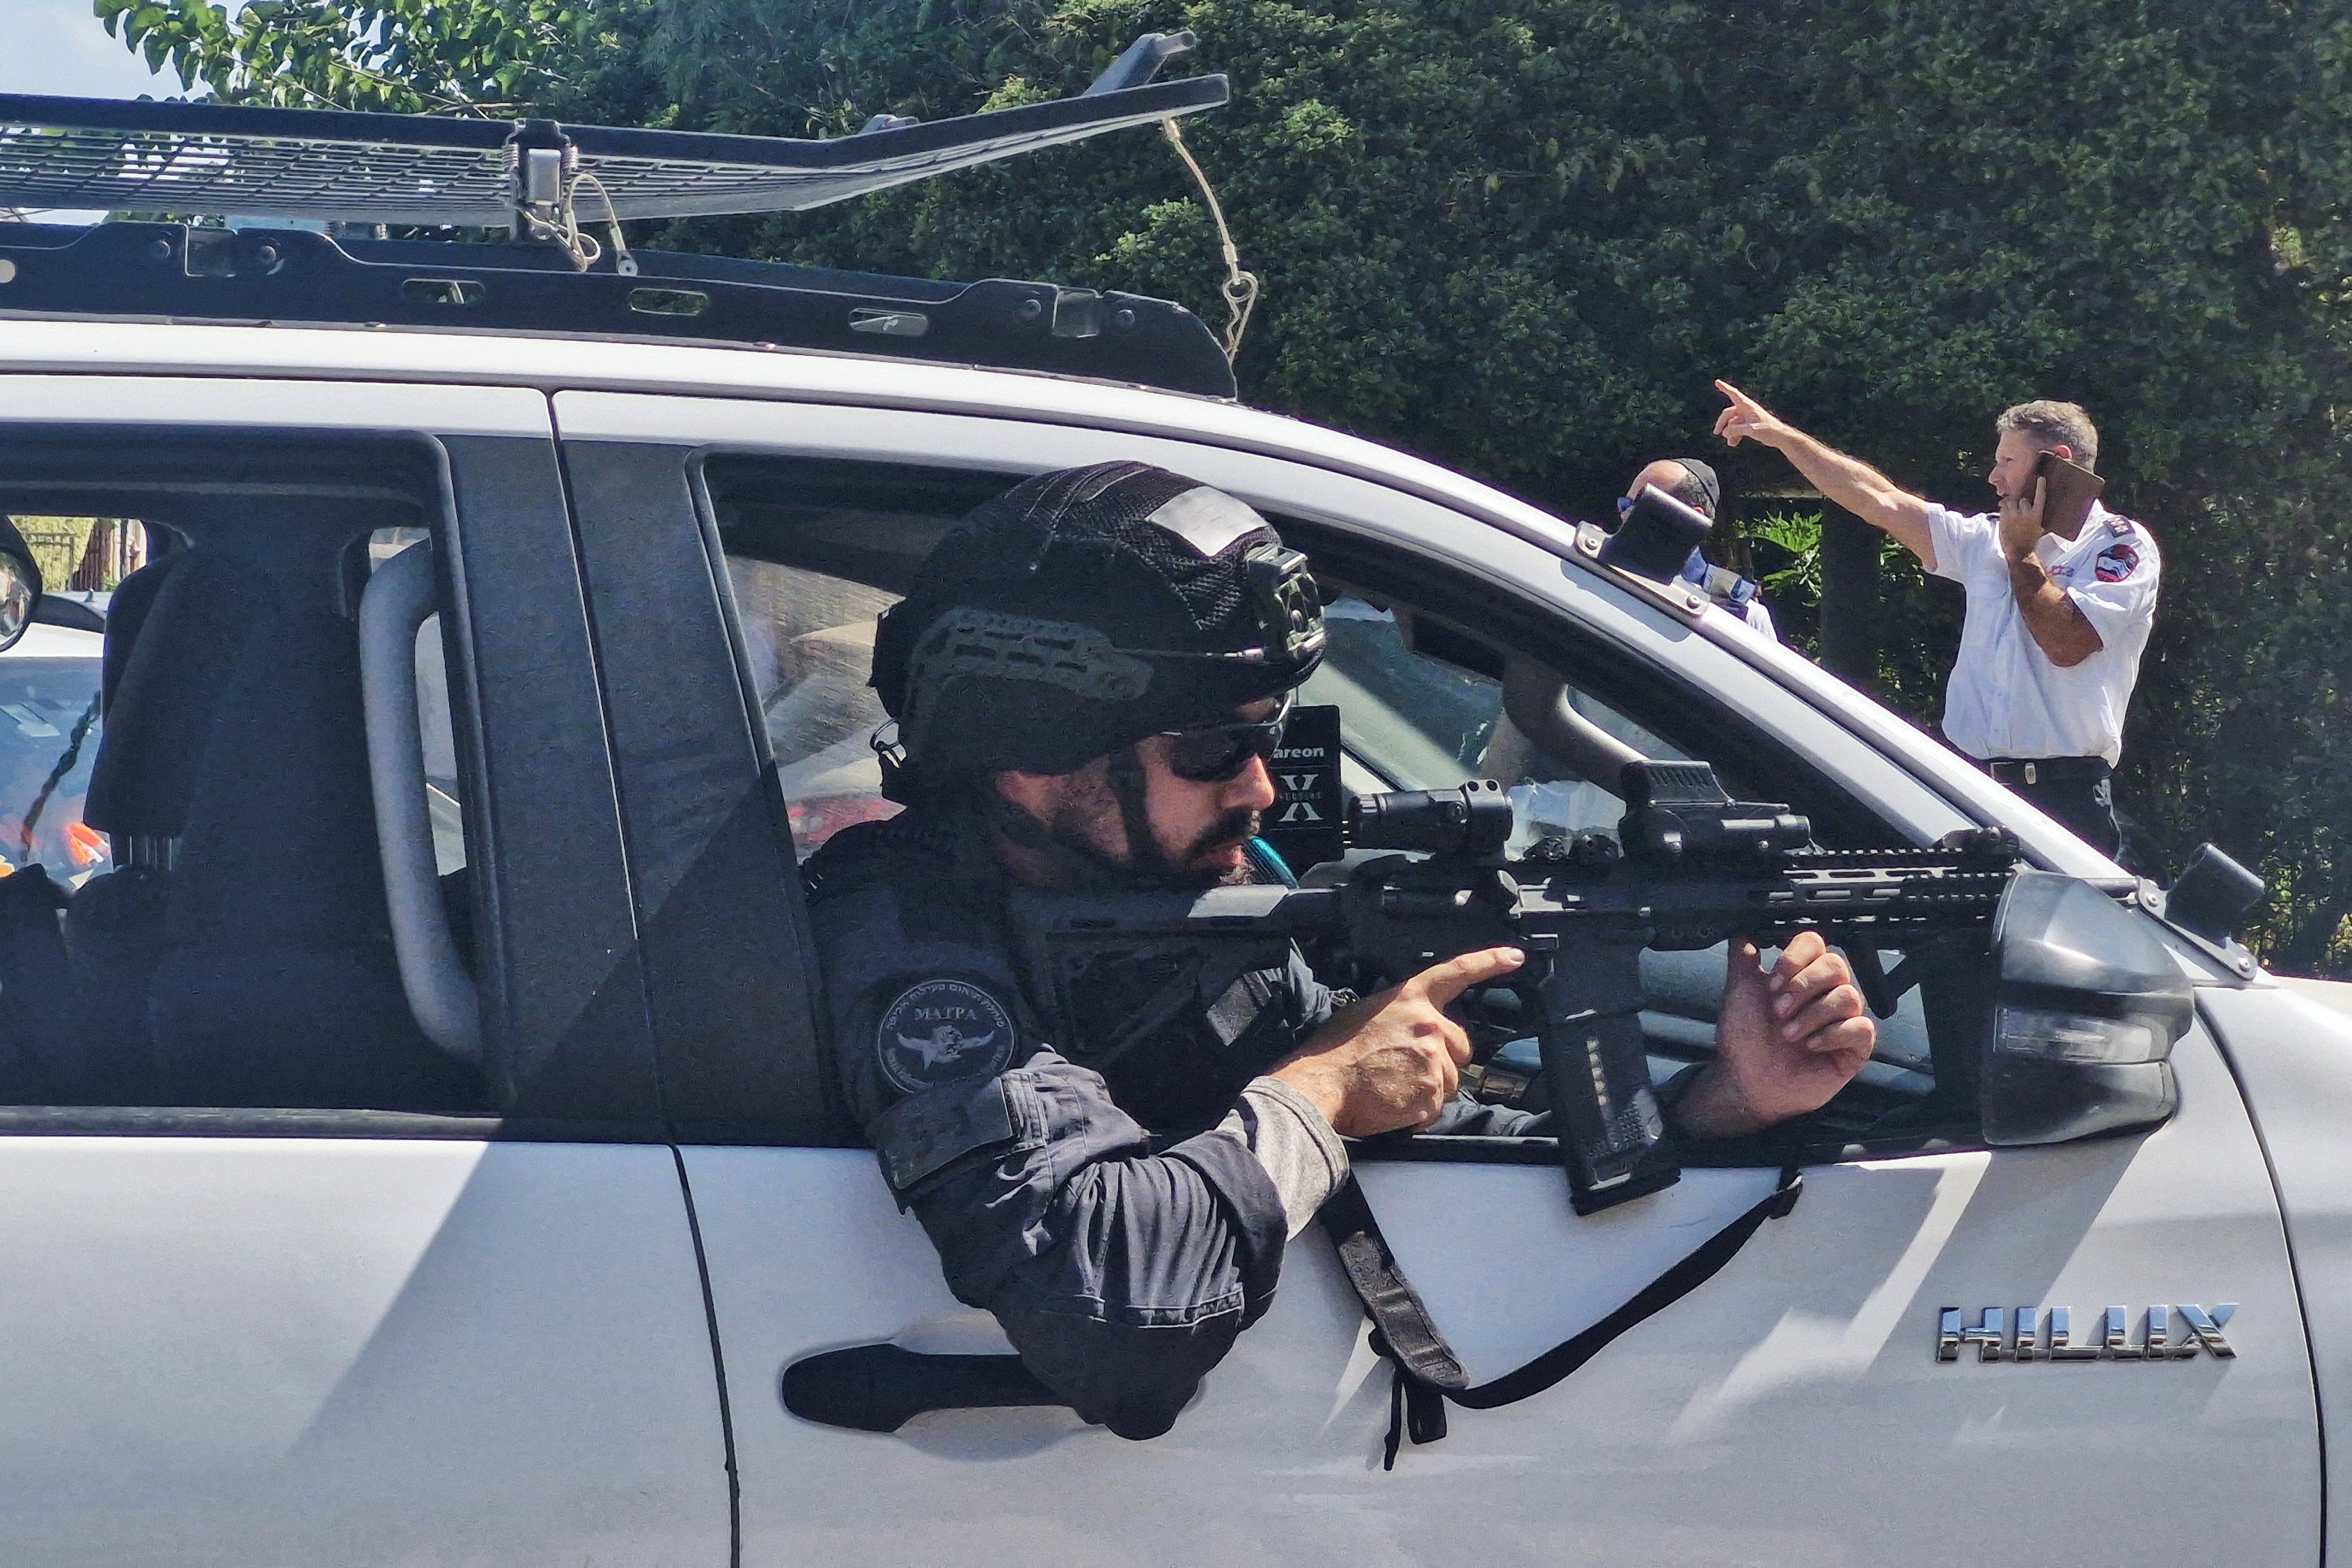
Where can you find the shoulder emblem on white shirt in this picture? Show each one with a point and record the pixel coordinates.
(2115, 563)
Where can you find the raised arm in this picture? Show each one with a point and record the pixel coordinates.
(1847, 481)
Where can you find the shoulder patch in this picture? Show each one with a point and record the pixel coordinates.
(937, 1030)
(2115, 563)
(923, 1135)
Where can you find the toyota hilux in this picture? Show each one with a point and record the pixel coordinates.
(416, 1145)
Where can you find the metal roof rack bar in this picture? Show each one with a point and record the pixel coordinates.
(207, 158)
(296, 277)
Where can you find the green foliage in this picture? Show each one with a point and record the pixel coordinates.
(1524, 236)
(1797, 536)
(413, 57)
(1920, 624)
(57, 543)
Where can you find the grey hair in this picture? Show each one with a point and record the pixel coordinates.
(2054, 424)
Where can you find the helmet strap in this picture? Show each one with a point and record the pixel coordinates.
(1129, 786)
(1072, 862)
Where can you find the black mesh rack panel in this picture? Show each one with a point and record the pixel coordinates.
(309, 169)
(203, 159)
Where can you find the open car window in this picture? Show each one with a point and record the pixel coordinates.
(817, 551)
(1413, 721)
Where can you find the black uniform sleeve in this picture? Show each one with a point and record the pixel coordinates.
(1122, 1276)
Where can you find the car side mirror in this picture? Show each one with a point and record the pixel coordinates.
(2085, 1010)
(20, 585)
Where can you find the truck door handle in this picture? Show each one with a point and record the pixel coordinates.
(881, 1388)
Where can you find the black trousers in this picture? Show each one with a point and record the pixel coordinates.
(2078, 791)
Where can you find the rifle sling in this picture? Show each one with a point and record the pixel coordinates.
(1428, 1373)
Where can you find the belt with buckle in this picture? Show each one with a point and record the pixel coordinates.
(2045, 770)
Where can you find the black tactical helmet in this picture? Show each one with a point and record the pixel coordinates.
(1078, 613)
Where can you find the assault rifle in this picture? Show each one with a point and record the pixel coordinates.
(1689, 868)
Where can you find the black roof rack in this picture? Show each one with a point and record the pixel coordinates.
(212, 159)
(293, 276)
(357, 171)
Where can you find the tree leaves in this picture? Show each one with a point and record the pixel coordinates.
(1524, 236)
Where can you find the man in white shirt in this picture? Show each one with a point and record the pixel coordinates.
(1694, 484)
(2056, 625)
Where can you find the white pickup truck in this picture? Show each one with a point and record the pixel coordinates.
(414, 1143)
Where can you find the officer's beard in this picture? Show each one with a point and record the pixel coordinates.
(1236, 826)
(1064, 849)
(1148, 865)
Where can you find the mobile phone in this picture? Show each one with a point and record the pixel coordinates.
(2070, 489)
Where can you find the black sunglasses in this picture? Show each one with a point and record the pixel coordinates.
(1216, 753)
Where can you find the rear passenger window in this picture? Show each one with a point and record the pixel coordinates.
(194, 910)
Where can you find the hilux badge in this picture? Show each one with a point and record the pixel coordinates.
(1991, 1334)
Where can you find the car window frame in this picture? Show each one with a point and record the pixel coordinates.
(1467, 548)
(492, 505)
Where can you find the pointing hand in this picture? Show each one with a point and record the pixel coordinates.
(1748, 419)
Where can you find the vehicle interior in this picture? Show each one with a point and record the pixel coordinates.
(224, 938)
(815, 550)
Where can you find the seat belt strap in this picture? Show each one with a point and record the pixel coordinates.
(1428, 1373)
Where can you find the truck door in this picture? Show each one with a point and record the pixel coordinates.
(290, 1281)
(1792, 1408)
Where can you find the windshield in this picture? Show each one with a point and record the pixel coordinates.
(1409, 721)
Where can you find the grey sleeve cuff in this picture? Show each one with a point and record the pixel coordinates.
(1302, 1155)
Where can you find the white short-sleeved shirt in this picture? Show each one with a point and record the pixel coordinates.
(2005, 698)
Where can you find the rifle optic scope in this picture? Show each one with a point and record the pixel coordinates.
(1473, 820)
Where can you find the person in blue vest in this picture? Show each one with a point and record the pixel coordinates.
(1694, 484)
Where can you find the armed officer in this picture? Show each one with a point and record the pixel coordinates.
(1087, 682)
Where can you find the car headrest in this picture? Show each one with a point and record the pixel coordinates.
(174, 635)
(280, 841)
